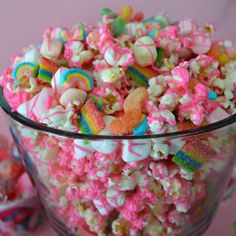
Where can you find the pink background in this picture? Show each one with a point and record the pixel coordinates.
(23, 21)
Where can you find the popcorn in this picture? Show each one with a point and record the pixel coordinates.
(124, 98)
(159, 150)
(76, 55)
(157, 120)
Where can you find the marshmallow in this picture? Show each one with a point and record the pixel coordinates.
(104, 146)
(83, 148)
(145, 51)
(136, 150)
(37, 105)
(51, 48)
(73, 96)
(55, 83)
(32, 56)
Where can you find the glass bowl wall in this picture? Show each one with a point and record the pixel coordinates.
(98, 190)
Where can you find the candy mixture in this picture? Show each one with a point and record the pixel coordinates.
(19, 208)
(126, 75)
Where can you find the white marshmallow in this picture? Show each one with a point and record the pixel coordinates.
(51, 48)
(83, 148)
(58, 117)
(32, 56)
(108, 120)
(136, 150)
(145, 51)
(36, 105)
(104, 146)
(55, 83)
(73, 96)
(176, 145)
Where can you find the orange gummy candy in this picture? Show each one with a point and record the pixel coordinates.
(187, 125)
(135, 99)
(219, 53)
(126, 123)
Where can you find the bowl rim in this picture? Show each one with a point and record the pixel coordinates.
(69, 134)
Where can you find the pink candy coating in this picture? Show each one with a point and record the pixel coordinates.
(125, 187)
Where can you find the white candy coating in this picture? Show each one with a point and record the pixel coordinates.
(111, 75)
(159, 150)
(187, 26)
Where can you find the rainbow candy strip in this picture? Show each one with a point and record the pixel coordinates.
(150, 22)
(25, 69)
(97, 101)
(91, 120)
(192, 156)
(154, 34)
(63, 35)
(80, 33)
(140, 75)
(78, 78)
(142, 126)
(47, 69)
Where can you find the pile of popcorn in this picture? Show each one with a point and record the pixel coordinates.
(127, 76)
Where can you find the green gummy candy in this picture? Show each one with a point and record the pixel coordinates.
(63, 63)
(118, 27)
(36, 70)
(107, 11)
(163, 20)
(160, 55)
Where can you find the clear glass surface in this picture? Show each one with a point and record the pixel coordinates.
(65, 175)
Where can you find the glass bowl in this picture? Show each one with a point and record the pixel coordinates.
(88, 185)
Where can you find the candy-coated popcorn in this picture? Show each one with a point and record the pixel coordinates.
(106, 88)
